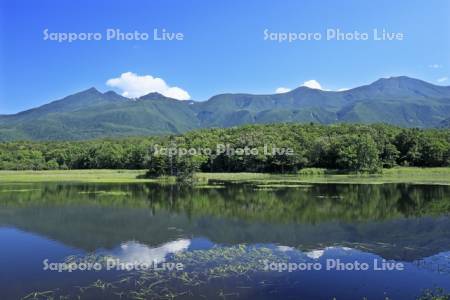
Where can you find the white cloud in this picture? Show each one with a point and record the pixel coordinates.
(312, 84)
(134, 86)
(442, 79)
(282, 90)
(315, 254)
(285, 248)
(342, 89)
(435, 66)
(131, 251)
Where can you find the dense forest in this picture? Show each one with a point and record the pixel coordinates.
(359, 148)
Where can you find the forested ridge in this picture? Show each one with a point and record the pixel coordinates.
(351, 147)
(91, 114)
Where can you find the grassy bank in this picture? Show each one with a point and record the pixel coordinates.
(395, 175)
(95, 176)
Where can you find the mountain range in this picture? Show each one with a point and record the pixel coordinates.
(401, 101)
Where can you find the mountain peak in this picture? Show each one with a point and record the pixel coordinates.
(306, 88)
(396, 79)
(405, 81)
(154, 96)
(91, 90)
(401, 77)
(401, 87)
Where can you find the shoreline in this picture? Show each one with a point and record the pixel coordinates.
(409, 175)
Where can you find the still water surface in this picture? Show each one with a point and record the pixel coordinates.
(232, 242)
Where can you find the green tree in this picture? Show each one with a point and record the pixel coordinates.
(359, 153)
(407, 143)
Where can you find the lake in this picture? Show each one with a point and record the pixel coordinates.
(148, 241)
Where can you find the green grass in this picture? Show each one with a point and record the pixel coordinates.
(395, 175)
(96, 176)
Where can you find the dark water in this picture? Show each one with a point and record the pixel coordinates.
(231, 242)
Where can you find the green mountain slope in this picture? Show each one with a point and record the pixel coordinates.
(89, 114)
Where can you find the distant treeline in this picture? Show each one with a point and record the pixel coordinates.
(361, 148)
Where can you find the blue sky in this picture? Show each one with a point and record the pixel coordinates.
(223, 49)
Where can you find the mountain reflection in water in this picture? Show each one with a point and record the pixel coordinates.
(147, 223)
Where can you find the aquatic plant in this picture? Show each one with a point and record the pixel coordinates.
(435, 294)
(201, 267)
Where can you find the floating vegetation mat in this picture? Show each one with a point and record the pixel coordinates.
(18, 190)
(107, 193)
(200, 268)
(281, 186)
